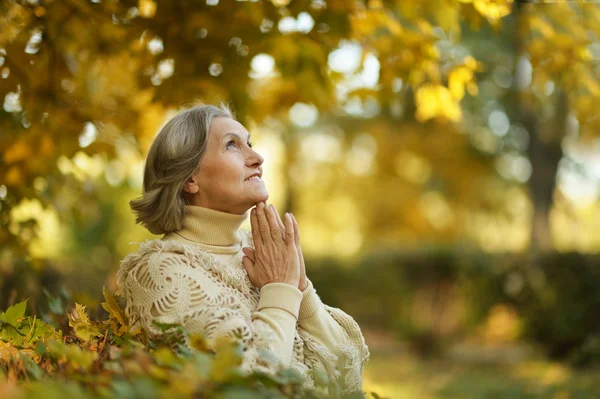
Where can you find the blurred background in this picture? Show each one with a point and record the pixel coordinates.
(442, 158)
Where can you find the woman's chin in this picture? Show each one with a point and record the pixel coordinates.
(261, 197)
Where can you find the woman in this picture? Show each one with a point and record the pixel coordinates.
(201, 177)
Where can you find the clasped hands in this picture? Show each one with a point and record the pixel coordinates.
(277, 255)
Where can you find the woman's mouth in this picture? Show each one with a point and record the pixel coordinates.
(253, 178)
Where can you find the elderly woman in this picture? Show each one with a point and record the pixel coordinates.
(201, 178)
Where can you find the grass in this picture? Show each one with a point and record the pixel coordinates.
(475, 372)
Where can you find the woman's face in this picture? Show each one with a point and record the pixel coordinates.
(221, 182)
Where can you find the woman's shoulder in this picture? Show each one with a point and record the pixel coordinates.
(167, 248)
(169, 251)
(149, 247)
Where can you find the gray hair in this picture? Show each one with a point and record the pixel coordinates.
(173, 158)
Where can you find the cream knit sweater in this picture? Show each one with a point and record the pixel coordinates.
(195, 277)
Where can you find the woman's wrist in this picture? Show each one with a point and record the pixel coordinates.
(303, 284)
(311, 303)
(280, 295)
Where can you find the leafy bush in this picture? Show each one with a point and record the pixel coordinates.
(437, 294)
(558, 299)
(108, 358)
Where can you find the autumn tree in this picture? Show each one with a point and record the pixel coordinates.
(97, 77)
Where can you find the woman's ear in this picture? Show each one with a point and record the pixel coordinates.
(191, 185)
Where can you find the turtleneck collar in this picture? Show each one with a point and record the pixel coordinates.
(213, 230)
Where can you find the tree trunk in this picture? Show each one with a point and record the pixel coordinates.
(544, 151)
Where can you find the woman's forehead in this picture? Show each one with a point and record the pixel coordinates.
(224, 126)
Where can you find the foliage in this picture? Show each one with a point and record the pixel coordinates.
(441, 294)
(87, 83)
(97, 77)
(558, 301)
(109, 358)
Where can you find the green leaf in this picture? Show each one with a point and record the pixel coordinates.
(246, 393)
(32, 368)
(165, 357)
(11, 333)
(290, 375)
(14, 312)
(201, 363)
(320, 377)
(77, 358)
(43, 330)
(164, 327)
(40, 348)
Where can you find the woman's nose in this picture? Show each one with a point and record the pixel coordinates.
(255, 158)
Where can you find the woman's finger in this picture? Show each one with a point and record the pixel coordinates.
(263, 224)
(273, 225)
(248, 263)
(289, 230)
(281, 226)
(296, 231)
(249, 266)
(249, 252)
(256, 235)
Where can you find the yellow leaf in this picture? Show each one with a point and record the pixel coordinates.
(457, 80)
(584, 54)
(19, 151)
(7, 351)
(436, 101)
(375, 4)
(416, 77)
(394, 26)
(424, 26)
(82, 327)
(493, 10)
(46, 145)
(472, 63)
(198, 341)
(14, 176)
(472, 88)
(147, 8)
(542, 26)
(114, 310)
(228, 356)
(433, 70)
(447, 16)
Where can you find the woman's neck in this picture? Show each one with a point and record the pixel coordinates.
(212, 230)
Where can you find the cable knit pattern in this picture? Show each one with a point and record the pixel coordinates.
(174, 282)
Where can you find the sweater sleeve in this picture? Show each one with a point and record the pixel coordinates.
(337, 333)
(165, 287)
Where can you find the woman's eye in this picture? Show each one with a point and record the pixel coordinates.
(232, 142)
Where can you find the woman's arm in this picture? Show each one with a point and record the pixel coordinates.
(338, 333)
(165, 287)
